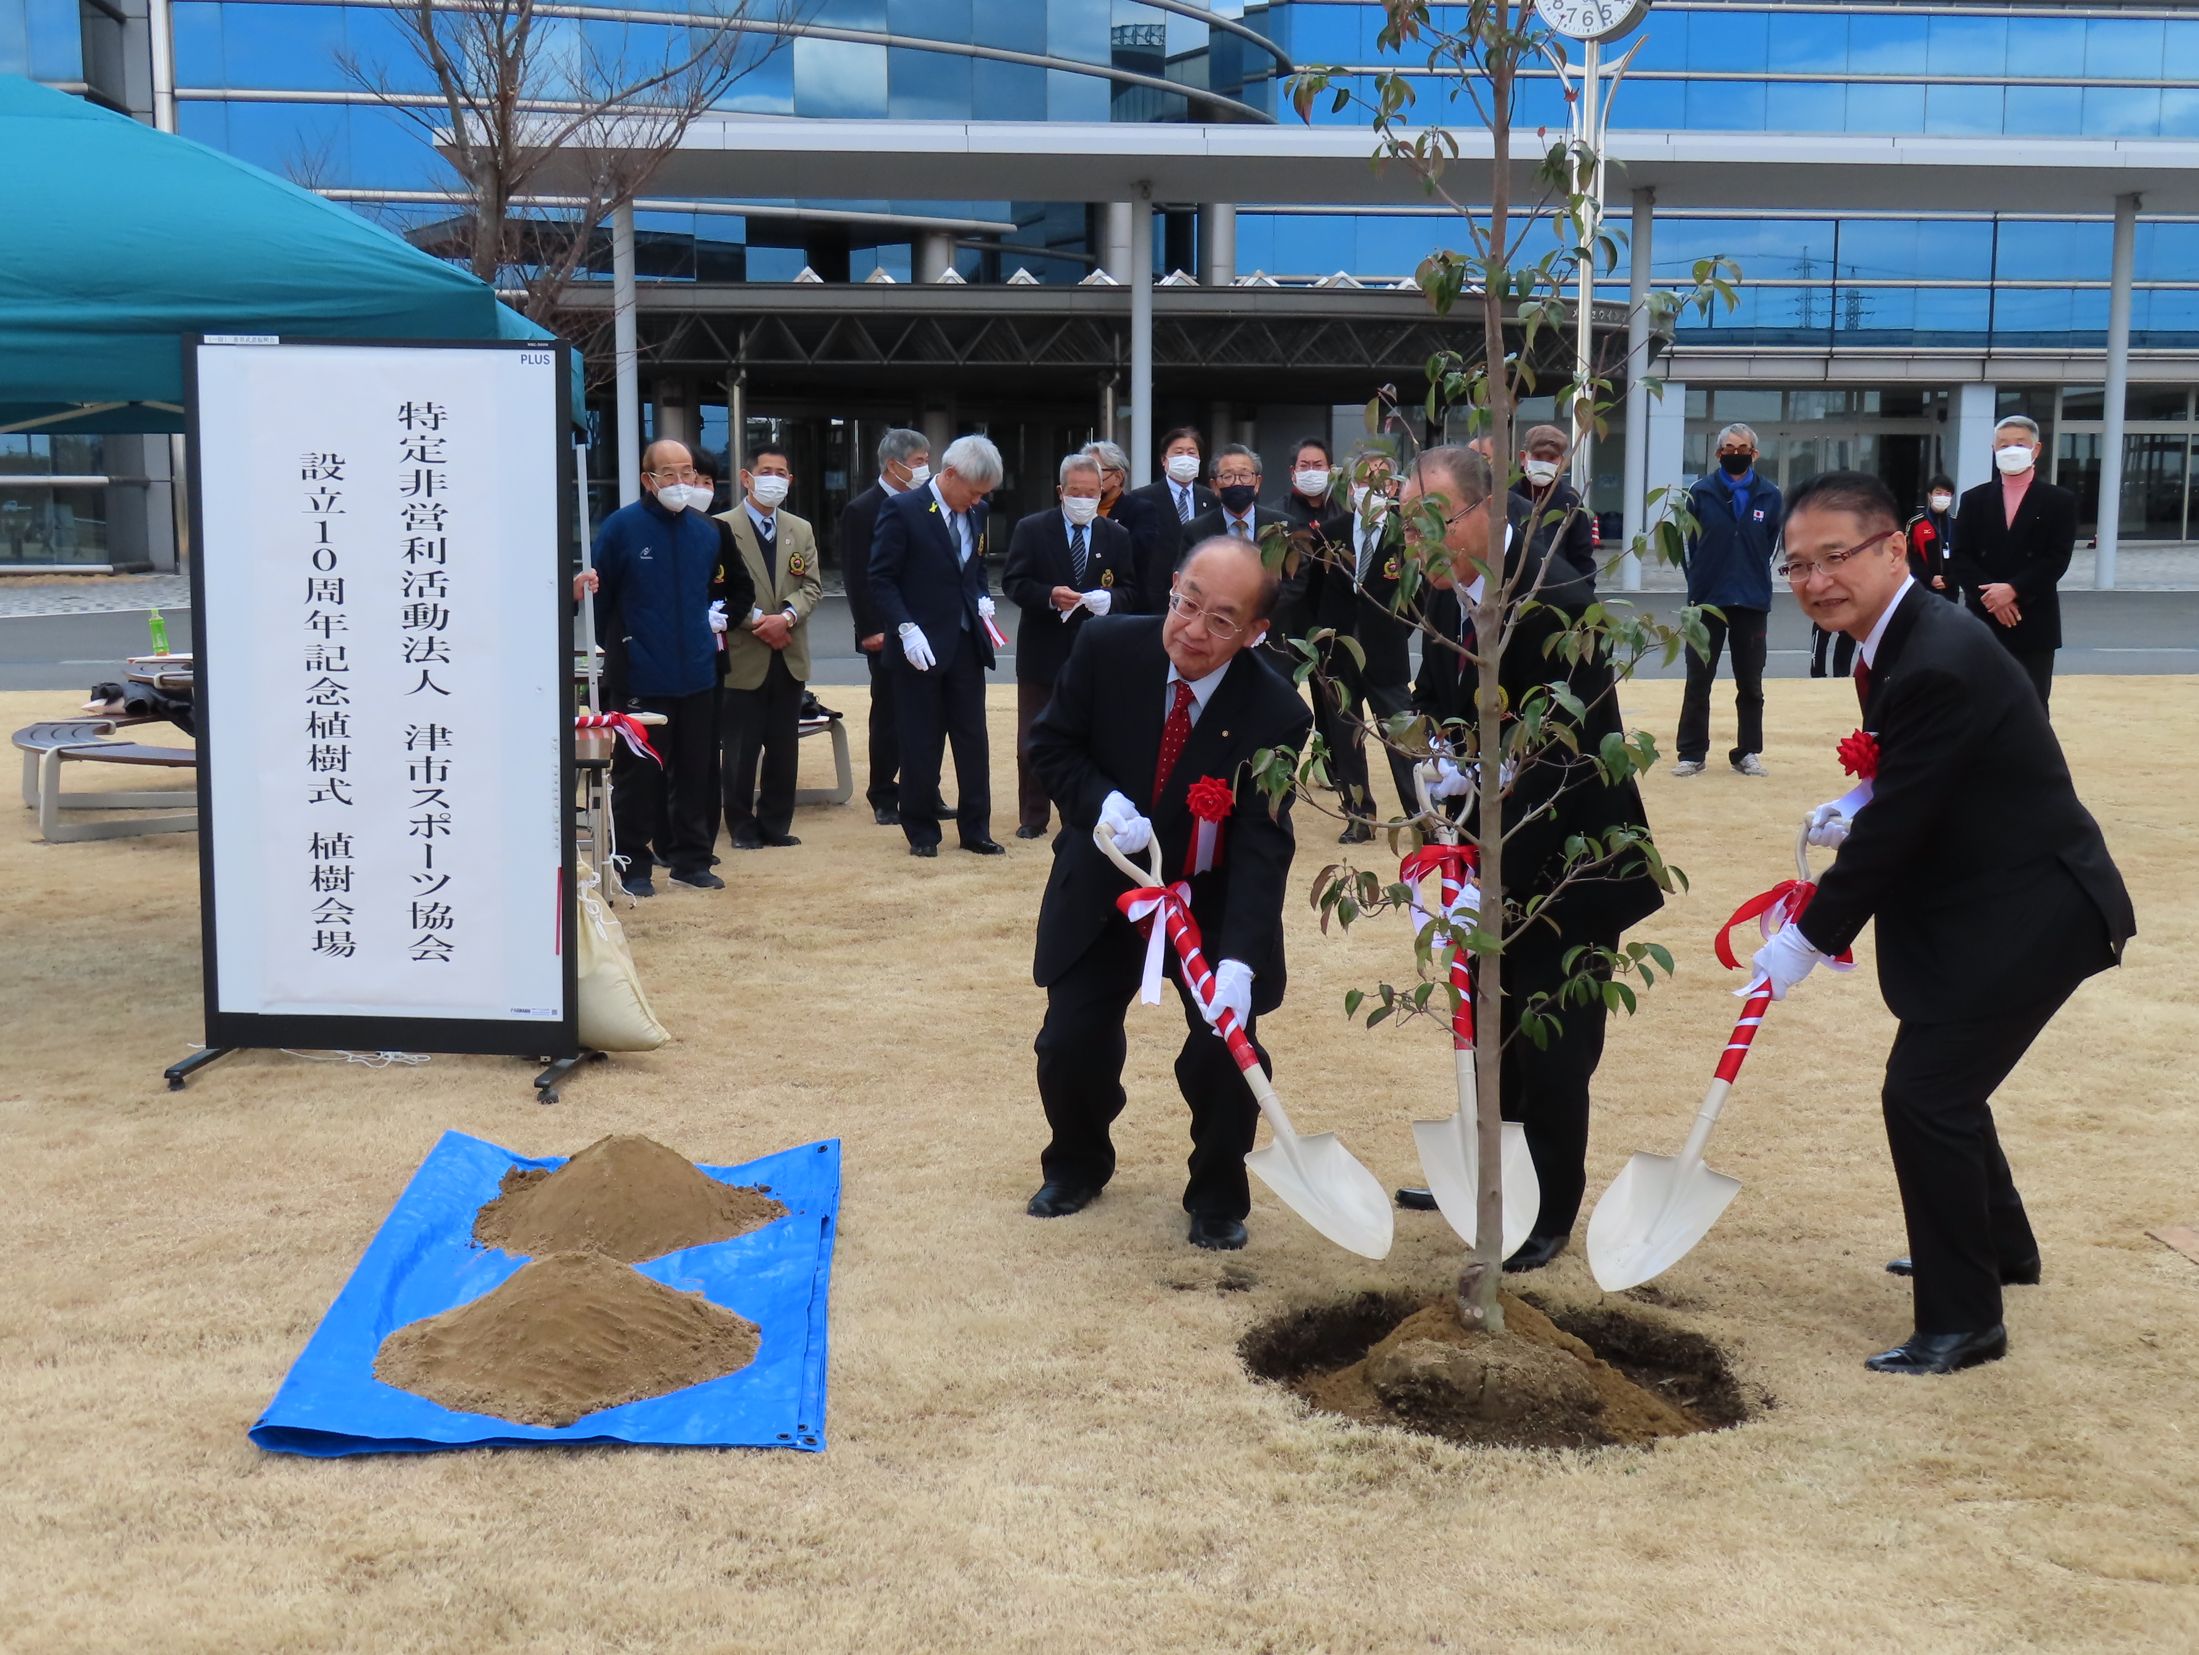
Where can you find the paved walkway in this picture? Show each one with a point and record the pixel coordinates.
(27, 595)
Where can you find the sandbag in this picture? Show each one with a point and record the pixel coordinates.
(614, 1013)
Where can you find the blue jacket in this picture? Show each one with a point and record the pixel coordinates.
(1729, 554)
(916, 575)
(656, 570)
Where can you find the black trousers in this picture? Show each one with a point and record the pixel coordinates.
(667, 814)
(1545, 1088)
(762, 730)
(937, 709)
(2038, 666)
(1966, 1222)
(1348, 740)
(1837, 645)
(1745, 628)
(885, 739)
(1033, 807)
(1081, 1047)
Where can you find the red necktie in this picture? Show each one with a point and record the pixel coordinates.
(1862, 684)
(1174, 734)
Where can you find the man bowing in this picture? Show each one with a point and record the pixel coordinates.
(1148, 709)
(1993, 891)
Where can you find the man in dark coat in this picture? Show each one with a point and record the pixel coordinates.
(904, 462)
(1729, 568)
(1237, 513)
(1560, 523)
(1557, 794)
(1993, 891)
(1147, 708)
(1158, 514)
(1064, 567)
(2015, 537)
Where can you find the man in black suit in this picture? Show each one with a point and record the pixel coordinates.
(1237, 513)
(1993, 891)
(1558, 793)
(927, 576)
(1158, 514)
(1561, 525)
(904, 462)
(1064, 567)
(2016, 536)
(1146, 708)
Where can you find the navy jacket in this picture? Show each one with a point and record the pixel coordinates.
(1729, 556)
(656, 570)
(915, 576)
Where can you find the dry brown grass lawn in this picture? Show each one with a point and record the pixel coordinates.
(1041, 1437)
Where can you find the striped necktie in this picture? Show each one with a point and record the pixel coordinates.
(1183, 505)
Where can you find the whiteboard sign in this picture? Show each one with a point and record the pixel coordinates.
(384, 694)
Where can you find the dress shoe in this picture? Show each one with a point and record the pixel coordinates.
(1416, 1200)
(2025, 1274)
(1060, 1200)
(1356, 833)
(923, 850)
(748, 836)
(780, 840)
(1942, 1352)
(985, 847)
(1535, 1252)
(1216, 1233)
(1029, 832)
(642, 886)
(886, 816)
(702, 879)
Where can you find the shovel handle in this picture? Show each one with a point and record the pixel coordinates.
(1184, 939)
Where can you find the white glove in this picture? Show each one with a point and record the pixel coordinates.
(717, 616)
(1120, 817)
(1232, 992)
(1099, 600)
(1785, 961)
(1450, 781)
(1829, 826)
(918, 650)
(985, 608)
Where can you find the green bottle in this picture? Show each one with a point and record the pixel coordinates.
(159, 630)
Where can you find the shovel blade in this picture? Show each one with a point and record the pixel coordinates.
(1451, 1162)
(1654, 1212)
(1328, 1188)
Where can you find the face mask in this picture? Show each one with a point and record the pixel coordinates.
(1237, 498)
(1542, 473)
(769, 491)
(920, 474)
(1940, 502)
(673, 498)
(1313, 482)
(1079, 508)
(1736, 465)
(1360, 494)
(2013, 460)
(1183, 468)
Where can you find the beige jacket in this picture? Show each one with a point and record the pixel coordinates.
(797, 587)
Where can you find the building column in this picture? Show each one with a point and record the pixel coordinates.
(934, 255)
(1107, 411)
(736, 425)
(2118, 387)
(1217, 244)
(1114, 247)
(1636, 488)
(1970, 436)
(1141, 337)
(676, 419)
(625, 355)
(1666, 456)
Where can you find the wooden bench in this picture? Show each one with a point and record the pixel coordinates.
(46, 747)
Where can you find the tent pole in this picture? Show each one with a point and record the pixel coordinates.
(626, 354)
(587, 564)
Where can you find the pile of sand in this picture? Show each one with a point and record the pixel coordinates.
(627, 1197)
(567, 1335)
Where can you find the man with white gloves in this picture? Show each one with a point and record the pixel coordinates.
(1152, 726)
(927, 578)
(1066, 565)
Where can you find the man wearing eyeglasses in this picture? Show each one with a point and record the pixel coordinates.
(653, 563)
(1147, 709)
(1991, 885)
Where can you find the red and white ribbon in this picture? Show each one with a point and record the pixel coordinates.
(1461, 898)
(999, 638)
(1171, 905)
(1773, 910)
(630, 730)
(1744, 1030)
(1141, 906)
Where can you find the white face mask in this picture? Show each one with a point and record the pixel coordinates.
(1940, 502)
(2014, 459)
(920, 474)
(1079, 508)
(673, 497)
(1359, 497)
(1183, 468)
(767, 490)
(1313, 482)
(1542, 473)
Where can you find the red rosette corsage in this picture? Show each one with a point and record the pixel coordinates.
(1858, 754)
(1210, 799)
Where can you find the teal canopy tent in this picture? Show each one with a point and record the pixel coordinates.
(120, 240)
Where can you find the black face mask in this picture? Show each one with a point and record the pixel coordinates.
(1237, 498)
(1736, 465)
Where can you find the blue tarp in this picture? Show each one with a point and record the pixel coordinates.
(423, 1261)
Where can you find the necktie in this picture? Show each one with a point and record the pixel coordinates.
(1240, 528)
(1366, 555)
(962, 538)
(1174, 734)
(1862, 684)
(1183, 505)
(767, 539)
(1076, 556)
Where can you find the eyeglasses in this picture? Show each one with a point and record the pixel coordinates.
(1796, 571)
(685, 474)
(1216, 627)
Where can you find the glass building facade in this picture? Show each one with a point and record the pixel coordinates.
(279, 83)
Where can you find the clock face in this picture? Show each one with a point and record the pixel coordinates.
(1592, 19)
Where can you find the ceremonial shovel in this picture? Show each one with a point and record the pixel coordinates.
(1660, 1206)
(1450, 1149)
(1317, 1177)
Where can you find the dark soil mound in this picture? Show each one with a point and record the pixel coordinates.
(568, 1335)
(627, 1197)
(1385, 1359)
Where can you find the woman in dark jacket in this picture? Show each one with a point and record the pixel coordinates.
(1932, 538)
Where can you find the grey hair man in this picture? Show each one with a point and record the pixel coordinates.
(2017, 533)
(1114, 467)
(904, 462)
(1728, 559)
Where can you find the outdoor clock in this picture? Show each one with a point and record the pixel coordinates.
(1592, 19)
